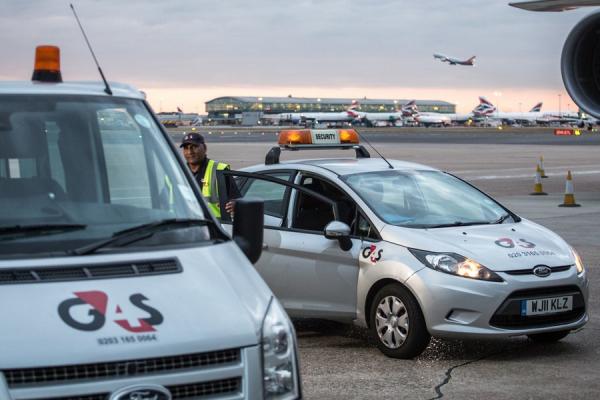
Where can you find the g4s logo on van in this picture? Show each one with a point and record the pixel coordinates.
(96, 316)
(372, 253)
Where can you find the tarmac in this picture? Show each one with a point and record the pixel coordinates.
(340, 362)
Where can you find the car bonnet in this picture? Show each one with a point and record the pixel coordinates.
(500, 247)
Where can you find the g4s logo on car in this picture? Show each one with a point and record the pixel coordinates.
(98, 301)
(372, 253)
(508, 243)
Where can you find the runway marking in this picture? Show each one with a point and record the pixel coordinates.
(547, 168)
(530, 175)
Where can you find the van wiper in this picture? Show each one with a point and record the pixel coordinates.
(11, 232)
(460, 223)
(501, 219)
(139, 232)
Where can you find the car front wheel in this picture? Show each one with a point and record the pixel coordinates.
(397, 323)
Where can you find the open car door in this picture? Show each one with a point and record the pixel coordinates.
(314, 272)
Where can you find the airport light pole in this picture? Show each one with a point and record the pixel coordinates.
(497, 95)
(559, 113)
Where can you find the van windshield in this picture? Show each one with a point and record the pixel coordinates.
(75, 169)
(426, 199)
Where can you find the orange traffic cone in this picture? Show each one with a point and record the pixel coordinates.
(537, 187)
(541, 164)
(569, 200)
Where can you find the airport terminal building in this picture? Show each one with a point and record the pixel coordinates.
(226, 108)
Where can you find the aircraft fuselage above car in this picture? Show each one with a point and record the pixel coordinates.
(554, 5)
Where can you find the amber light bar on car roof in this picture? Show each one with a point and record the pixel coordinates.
(316, 139)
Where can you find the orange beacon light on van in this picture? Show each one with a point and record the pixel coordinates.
(47, 64)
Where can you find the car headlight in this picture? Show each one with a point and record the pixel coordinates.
(455, 264)
(280, 367)
(578, 262)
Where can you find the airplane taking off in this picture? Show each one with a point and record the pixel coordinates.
(454, 61)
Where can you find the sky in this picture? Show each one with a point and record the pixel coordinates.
(183, 53)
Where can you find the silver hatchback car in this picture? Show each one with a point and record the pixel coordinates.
(407, 250)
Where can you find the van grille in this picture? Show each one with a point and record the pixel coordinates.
(120, 369)
(196, 390)
(87, 272)
(180, 392)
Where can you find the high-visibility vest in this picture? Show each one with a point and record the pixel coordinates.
(209, 186)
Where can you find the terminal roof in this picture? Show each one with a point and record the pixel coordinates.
(312, 100)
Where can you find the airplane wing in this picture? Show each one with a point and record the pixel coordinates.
(554, 5)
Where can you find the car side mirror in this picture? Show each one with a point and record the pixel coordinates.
(248, 225)
(340, 231)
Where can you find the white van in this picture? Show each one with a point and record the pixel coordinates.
(115, 280)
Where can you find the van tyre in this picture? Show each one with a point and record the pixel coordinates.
(548, 337)
(397, 324)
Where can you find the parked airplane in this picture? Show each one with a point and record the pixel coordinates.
(316, 117)
(454, 118)
(426, 118)
(487, 110)
(454, 61)
(371, 118)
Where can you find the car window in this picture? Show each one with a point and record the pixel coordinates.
(423, 199)
(313, 214)
(364, 229)
(273, 195)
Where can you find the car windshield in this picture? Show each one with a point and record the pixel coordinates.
(425, 199)
(75, 169)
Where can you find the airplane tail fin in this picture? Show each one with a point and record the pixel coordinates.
(537, 107)
(483, 100)
(485, 107)
(471, 60)
(353, 106)
(410, 108)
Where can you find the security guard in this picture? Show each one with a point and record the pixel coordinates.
(204, 170)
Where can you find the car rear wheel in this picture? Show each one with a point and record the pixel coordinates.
(548, 337)
(397, 323)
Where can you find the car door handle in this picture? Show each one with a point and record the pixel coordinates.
(265, 246)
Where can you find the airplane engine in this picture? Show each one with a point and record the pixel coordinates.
(580, 64)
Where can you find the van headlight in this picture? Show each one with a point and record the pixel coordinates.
(280, 366)
(455, 264)
(578, 262)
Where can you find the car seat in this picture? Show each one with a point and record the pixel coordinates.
(312, 213)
